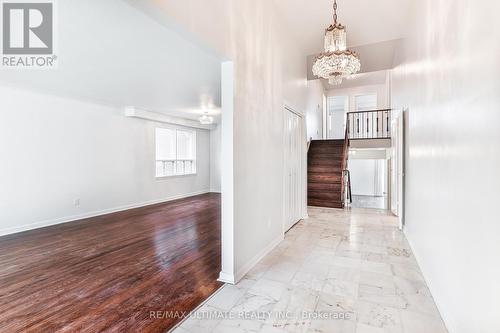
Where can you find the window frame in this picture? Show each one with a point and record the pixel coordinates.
(176, 160)
(355, 96)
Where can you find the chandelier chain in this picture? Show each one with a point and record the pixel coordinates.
(337, 61)
(335, 12)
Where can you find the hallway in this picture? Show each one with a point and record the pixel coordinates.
(353, 265)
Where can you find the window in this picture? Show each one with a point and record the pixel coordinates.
(175, 152)
(366, 102)
(336, 116)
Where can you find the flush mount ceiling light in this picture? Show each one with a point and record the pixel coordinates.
(337, 61)
(205, 119)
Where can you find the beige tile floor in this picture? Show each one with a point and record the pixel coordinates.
(339, 271)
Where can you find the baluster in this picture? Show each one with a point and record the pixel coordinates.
(387, 113)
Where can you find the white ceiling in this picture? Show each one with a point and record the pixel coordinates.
(367, 21)
(111, 53)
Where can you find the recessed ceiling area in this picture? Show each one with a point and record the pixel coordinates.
(358, 80)
(374, 57)
(114, 54)
(374, 31)
(367, 21)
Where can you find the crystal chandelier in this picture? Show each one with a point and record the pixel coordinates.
(337, 61)
(205, 119)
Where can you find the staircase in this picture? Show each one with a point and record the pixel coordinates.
(325, 162)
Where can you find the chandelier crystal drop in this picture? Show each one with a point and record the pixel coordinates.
(335, 80)
(336, 61)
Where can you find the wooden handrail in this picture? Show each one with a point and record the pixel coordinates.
(381, 110)
(345, 154)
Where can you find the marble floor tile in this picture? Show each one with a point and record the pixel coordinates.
(343, 288)
(344, 273)
(376, 267)
(408, 272)
(409, 287)
(376, 279)
(376, 315)
(226, 297)
(414, 322)
(308, 281)
(268, 288)
(353, 267)
(201, 323)
(344, 306)
(362, 328)
(272, 329)
(332, 326)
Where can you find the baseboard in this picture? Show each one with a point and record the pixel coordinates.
(47, 223)
(226, 278)
(248, 266)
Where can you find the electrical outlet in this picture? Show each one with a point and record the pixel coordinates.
(268, 223)
(76, 202)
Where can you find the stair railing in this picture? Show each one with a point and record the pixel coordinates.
(345, 156)
(370, 124)
(348, 190)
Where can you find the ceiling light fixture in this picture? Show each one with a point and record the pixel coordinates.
(336, 62)
(205, 119)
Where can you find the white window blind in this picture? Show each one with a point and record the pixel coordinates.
(366, 102)
(175, 152)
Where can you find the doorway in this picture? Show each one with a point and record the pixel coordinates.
(370, 182)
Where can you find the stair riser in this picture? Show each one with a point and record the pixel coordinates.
(323, 203)
(324, 196)
(326, 179)
(324, 169)
(336, 187)
(324, 174)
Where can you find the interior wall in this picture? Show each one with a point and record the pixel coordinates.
(215, 159)
(57, 150)
(269, 73)
(447, 81)
(314, 120)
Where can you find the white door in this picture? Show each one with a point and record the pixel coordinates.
(294, 175)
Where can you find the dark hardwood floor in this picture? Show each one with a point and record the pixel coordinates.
(105, 274)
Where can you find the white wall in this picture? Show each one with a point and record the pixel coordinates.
(368, 176)
(55, 150)
(448, 78)
(314, 120)
(215, 159)
(269, 72)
